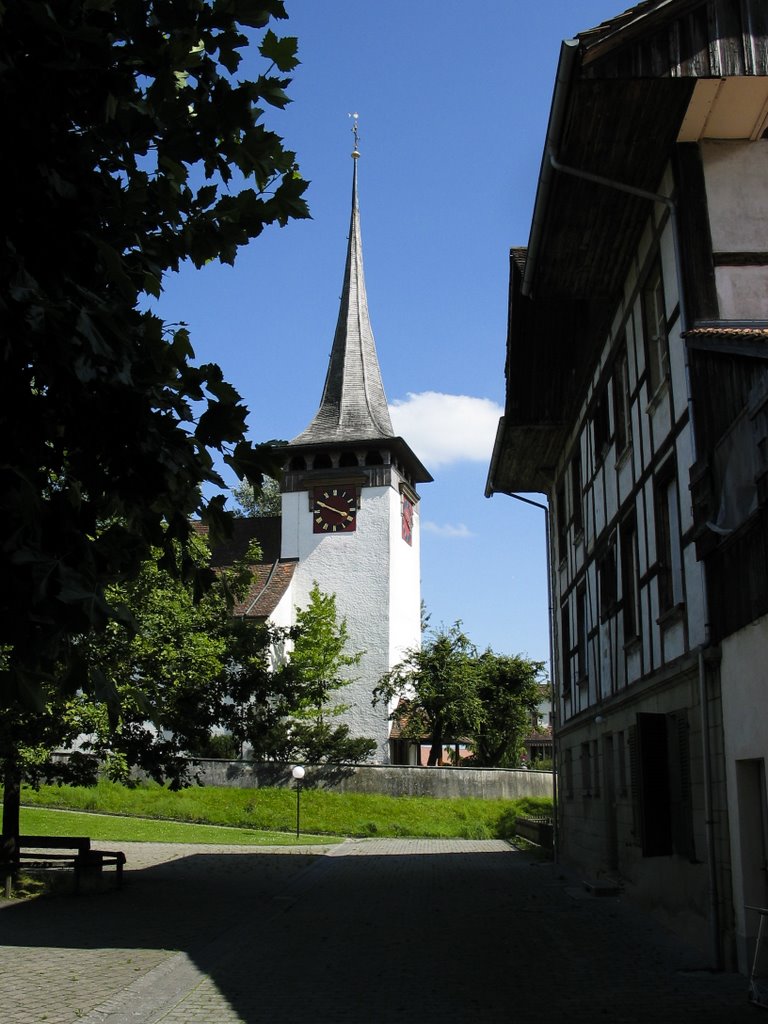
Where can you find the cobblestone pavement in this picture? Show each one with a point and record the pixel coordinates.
(369, 932)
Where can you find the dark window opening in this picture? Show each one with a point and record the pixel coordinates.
(298, 462)
(661, 784)
(668, 544)
(582, 632)
(373, 458)
(322, 461)
(565, 648)
(602, 426)
(348, 459)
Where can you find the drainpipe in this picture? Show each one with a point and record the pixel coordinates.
(490, 491)
(712, 892)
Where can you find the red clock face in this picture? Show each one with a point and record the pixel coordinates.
(407, 520)
(334, 510)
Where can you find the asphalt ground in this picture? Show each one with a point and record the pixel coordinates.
(369, 932)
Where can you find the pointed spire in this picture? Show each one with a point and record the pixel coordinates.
(353, 406)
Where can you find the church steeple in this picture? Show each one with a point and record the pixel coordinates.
(354, 405)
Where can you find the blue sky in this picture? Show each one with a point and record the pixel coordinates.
(453, 101)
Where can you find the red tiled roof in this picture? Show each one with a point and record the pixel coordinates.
(270, 582)
(271, 577)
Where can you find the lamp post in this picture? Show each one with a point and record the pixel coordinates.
(298, 773)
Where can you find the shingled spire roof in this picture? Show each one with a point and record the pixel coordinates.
(353, 406)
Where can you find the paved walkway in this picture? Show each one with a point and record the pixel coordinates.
(370, 932)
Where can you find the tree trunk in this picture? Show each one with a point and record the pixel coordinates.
(11, 794)
(436, 750)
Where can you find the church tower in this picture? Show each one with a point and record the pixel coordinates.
(350, 506)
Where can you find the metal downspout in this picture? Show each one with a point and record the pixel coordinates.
(712, 891)
(552, 694)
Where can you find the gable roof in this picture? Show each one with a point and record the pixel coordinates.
(271, 577)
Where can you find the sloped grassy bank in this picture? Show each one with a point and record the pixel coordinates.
(322, 812)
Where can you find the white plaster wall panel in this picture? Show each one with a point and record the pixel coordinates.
(660, 417)
(673, 638)
(624, 476)
(646, 521)
(742, 292)
(579, 554)
(291, 504)
(694, 597)
(742, 671)
(620, 658)
(355, 567)
(735, 174)
(668, 269)
(283, 615)
(637, 327)
(599, 499)
(606, 658)
(684, 448)
(634, 660)
(678, 375)
(404, 583)
(639, 442)
(632, 344)
(651, 628)
(611, 489)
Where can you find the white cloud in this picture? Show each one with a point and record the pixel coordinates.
(447, 529)
(442, 429)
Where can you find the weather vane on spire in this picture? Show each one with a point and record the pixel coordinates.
(355, 151)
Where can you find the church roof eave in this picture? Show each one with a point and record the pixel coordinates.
(398, 446)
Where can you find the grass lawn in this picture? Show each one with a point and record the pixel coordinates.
(42, 821)
(259, 812)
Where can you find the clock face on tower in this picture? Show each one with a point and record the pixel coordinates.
(334, 509)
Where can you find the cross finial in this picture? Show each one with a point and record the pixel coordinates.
(355, 151)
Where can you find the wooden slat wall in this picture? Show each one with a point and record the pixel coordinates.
(715, 39)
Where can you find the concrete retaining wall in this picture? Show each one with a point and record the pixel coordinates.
(485, 783)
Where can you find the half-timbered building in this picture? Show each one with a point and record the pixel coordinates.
(637, 401)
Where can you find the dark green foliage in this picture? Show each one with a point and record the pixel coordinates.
(446, 692)
(134, 148)
(510, 689)
(219, 746)
(435, 684)
(258, 502)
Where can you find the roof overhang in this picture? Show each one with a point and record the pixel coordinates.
(398, 447)
(617, 112)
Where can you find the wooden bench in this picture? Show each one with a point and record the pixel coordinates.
(48, 851)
